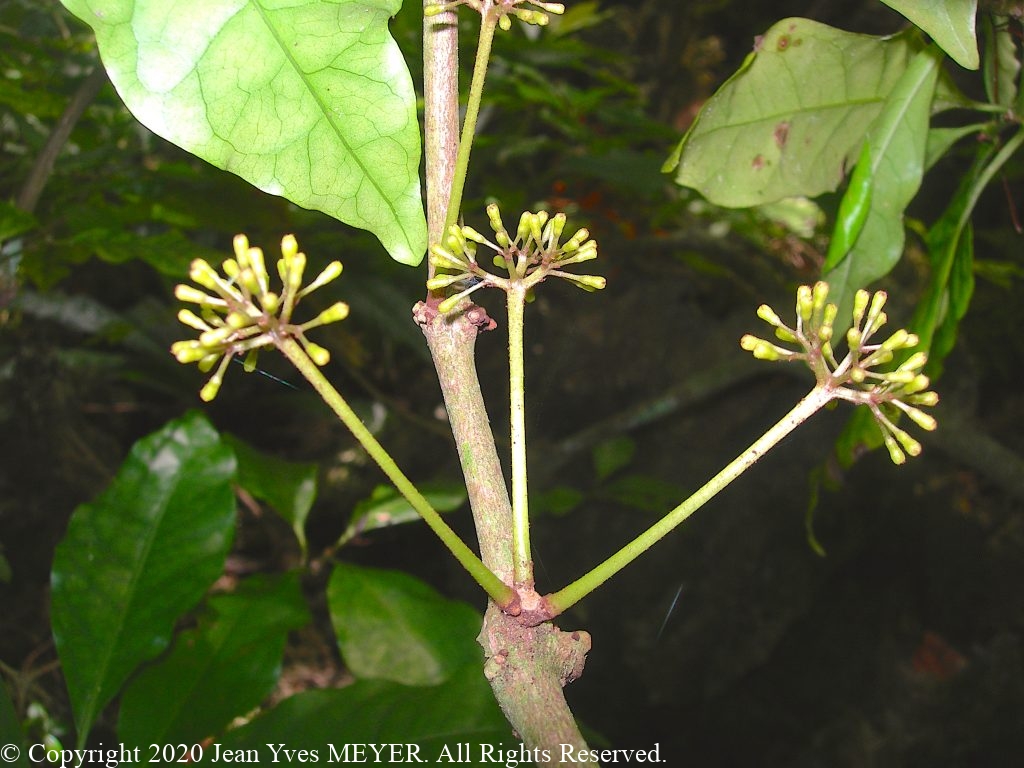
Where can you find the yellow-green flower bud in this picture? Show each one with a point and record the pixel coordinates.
(201, 272)
(192, 320)
(188, 351)
(240, 244)
(505, 23)
(923, 420)
(210, 389)
(442, 258)
(860, 305)
(804, 303)
(438, 282)
(923, 398)
(769, 315)
(215, 336)
(195, 296)
(289, 247)
(525, 222)
(471, 234)
(330, 272)
(270, 302)
(819, 295)
(576, 240)
(915, 362)
(553, 231)
(895, 452)
(334, 313)
(587, 282)
(238, 320)
(317, 354)
(909, 444)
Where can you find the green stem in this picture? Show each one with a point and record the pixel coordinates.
(807, 407)
(501, 593)
(521, 558)
(476, 90)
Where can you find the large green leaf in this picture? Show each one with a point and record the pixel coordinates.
(392, 626)
(380, 713)
(308, 99)
(793, 118)
(289, 487)
(139, 556)
(218, 671)
(950, 23)
(896, 157)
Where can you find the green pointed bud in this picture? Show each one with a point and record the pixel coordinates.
(215, 336)
(195, 296)
(825, 331)
(437, 282)
(192, 320)
(500, 263)
(525, 221)
(537, 222)
(923, 398)
(860, 305)
(909, 444)
(925, 421)
(915, 362)
(471, 234)
(553, 231)
(289, 247)
(505, 23)
(828, 317)
(317, 354)
(207, 363)
(586, 253)
(330, 272)
(895, 452)
(334, 313)
(238, 320)
(784, 334)
(769, 315)
(576, 240)
(898, 340)
(876, 317)
(455, 239)
(210, 389)
(531, 17)
(201, 272)
(502, 239)
(494, 217)
(240, 244)
(854, 338)
(857, 374)
(556, 8)
(270, 302)
(919, 384)
(259, 270)
(296, 268)
(587, 282)
(820, 295)
(249, 364)
(230, 268)
(448, 304)
(188, 351)
(804, 303)
(441, 258)
(899, 377)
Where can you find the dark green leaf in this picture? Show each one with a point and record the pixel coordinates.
(392, 626)
(896, 150)
(644, 492)
(793, 118)
(387, 507)
(14, 221)
(611, 455)
(221, 670)
(11, 732)
(310, 100)
(289, 487)
(139, 556)
(379, 712)
(560, 500)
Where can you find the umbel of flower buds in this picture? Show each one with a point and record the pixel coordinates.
(239, 313)
(534, 253)
(503, 8)
(855, 377)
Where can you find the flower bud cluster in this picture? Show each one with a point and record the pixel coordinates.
(533, 254)
(239, 314)
(503, 8)
(854, 378)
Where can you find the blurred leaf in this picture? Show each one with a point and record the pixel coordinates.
(896, 153)
(794, 116)
(950, 23)
(289, 487)
(392, 626)
(310, 100)
(14, 221)
(218, 671)
(560, 500)
(10, 730)
(643, 492)
(1001, 65)
(611, 455)
(378, 712)
(941, 139)
(387, 507)
(139, 556)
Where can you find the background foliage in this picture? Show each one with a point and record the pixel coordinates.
(903, 645)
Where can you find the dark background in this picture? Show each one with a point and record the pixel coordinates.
(901, 646)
